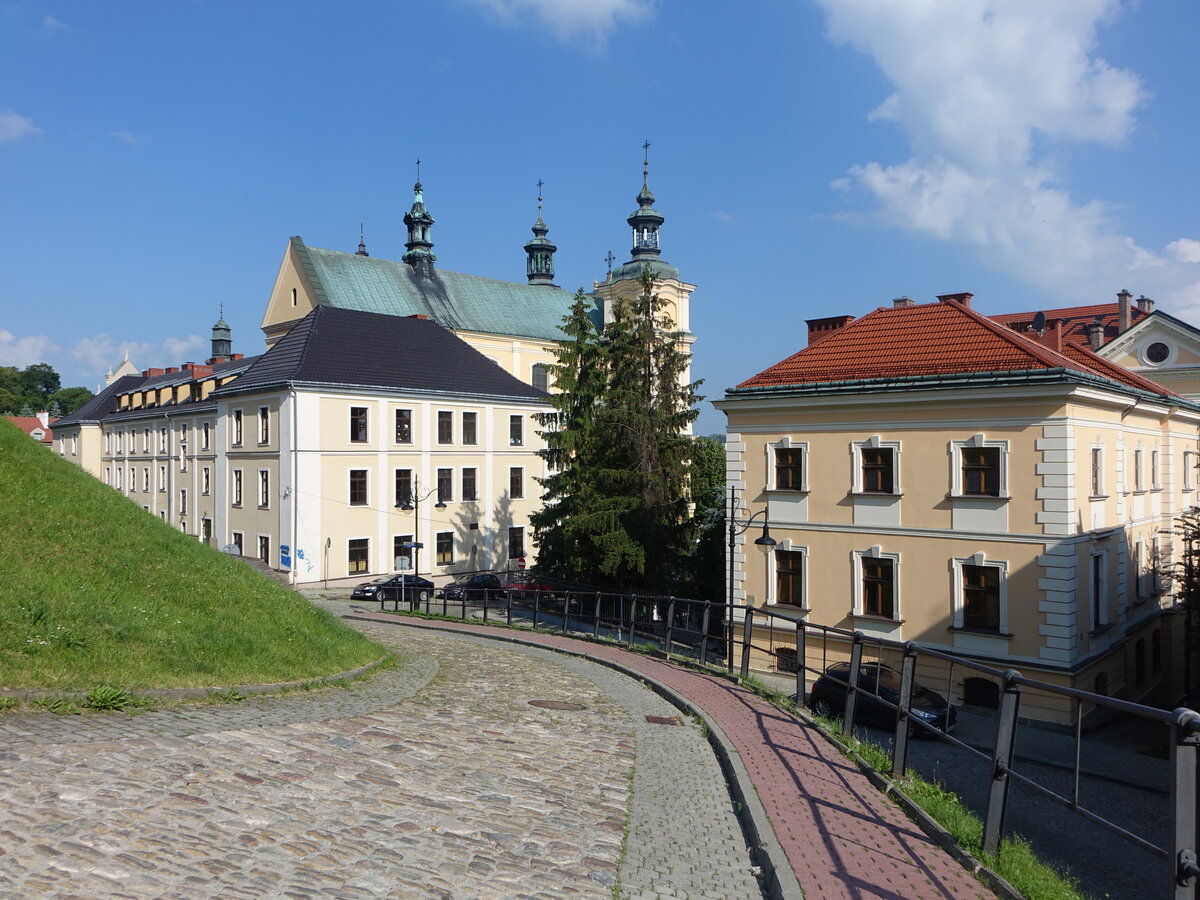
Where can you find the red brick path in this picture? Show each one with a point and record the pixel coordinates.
(842, 837)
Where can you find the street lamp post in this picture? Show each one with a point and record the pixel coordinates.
(411, 502)
(765, 541)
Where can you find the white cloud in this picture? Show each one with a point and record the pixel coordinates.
(25, 351)
(51, 24)
(984, 89)
(122, 135)
(95, 356)
(567, 19)
(721, 216)
(13, 127)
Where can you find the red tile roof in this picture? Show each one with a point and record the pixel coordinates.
(30, 424)
(944, 338)
(1074, 319)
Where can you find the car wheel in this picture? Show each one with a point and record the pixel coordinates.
(422, 595)
(821, 707)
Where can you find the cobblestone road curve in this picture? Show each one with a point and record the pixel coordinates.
(433, 779)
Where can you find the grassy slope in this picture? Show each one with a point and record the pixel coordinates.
(95, 590)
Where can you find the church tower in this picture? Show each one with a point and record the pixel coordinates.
(625, 280)
(539, 252)
(222, 341)
(419, 247)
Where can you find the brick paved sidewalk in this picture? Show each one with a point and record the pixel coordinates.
(842, 837)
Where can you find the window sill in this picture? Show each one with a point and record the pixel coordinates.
(873, 618)
(263, 506)
(989, 497)
(779, 490)
(986, 632)
(1101, 630)
(236, 505)
(892, 494)
(1098, 497)
(788, 607)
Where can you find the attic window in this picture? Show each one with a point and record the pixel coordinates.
(293, 296)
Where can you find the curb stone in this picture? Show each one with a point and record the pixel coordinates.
(201, 693)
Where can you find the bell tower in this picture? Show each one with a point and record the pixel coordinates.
(539, 252)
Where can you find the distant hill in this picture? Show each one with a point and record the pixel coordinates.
(94, 590)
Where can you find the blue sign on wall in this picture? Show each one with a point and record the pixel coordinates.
(285, 556)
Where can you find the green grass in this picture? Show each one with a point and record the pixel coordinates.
(1017, 863)
(96, 593)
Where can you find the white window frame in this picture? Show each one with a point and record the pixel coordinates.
(236, 432)
(462, 476)
(237, 486)
(1155, 469)
(264, 488)
(162, 478)
(787, 443)
(517, 420)
(1096, 462)
(205, 480)
(264, 425)
(874, 443)
(1099, 592)
(786, 546)
(875, 552)
(979, 559)
(1189, 469)
(977, 441)
(1139, 470)
(204, 436)
(473, 417)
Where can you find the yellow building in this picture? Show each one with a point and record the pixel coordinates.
(935, 476)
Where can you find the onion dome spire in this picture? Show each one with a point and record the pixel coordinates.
(362, 246)
(539, 252)
(647, 219)
(419, 253)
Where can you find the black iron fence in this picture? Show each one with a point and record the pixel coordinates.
(724, 636)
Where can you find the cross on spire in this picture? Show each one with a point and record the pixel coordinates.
(610, 259)
(418, 170)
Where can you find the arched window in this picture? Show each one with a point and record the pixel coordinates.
(541, 377)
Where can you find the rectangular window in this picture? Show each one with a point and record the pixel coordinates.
(1139, 478)
(789, 577)
(205, 480)
(358, 555)
(120, 441)
(789, 469)
(107, 444)
(981, 597)
(237, 429)
(469, 428)
(358, 424)
(1097, 472)
(445, 427)
(879, 587)
(401, 555)
(445, 485)
(162, 478)
(404, 426)
(264, 425)
(1141, 588)
(516, 431)
(204, 436)
(237, 541)
(264, 548)
(358, 487)
(264, 488)
(146, 440)
(237, 487)
(182, 502)
(1189, 468)
(404, 492)
(878, 470)
(445, 548)
(146, 479)
(516, 543)
(516, 483)
(1099, 617)
(206, 530)
(1155, 484)
(981, 471)
(469, 491)
(541, 377)
(108, 475)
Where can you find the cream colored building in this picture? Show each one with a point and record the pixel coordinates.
(933, 476)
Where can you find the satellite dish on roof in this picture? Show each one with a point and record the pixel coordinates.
(1039, 322)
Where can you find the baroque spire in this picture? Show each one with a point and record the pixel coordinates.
(419, 252)
(539, 252)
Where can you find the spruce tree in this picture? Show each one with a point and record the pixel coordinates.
(617, 503)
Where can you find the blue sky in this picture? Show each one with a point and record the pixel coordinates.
(811, 157)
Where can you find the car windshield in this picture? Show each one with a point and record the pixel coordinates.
(464, 579)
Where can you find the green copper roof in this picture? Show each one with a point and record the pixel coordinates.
(454, 300)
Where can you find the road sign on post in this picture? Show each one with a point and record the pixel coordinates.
(521, 563)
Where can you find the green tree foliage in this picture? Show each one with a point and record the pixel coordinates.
(618, 502)
(38, 387)
(1186, 575)
(708, 495)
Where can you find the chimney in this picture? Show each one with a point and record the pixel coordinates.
(819, 329)
(963, 297)
(1095, 333)
(234, 357)
(901, 302)
(417, 316)
(171, 370)
(153, 373)
(1145, 304)
(1124, 311)
(44, 418)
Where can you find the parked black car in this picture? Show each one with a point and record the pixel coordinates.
(395, 587)
(477, 588)
(828, 698)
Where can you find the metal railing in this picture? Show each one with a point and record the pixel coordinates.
(710, 634)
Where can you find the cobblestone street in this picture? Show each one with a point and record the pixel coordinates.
(436, 778)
